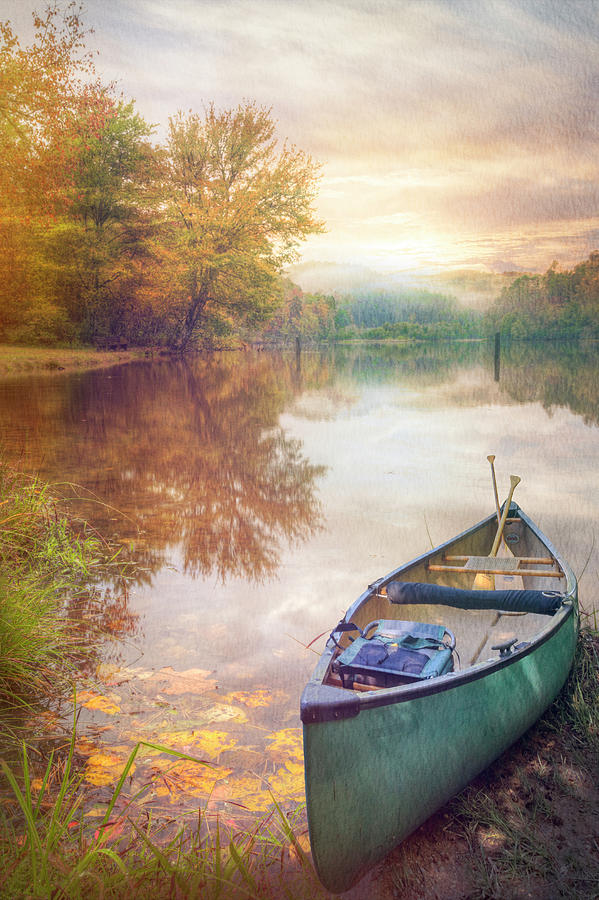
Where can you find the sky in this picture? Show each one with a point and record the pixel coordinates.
(451, 133)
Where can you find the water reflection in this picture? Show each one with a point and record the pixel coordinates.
(555, 374)
(222, 473)
(426, 364)
(178, 454)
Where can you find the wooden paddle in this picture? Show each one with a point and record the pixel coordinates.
(497, 507)
(484, 582)
(503, 582)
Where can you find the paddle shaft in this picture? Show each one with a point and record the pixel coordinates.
(497, 507)
(514, 480)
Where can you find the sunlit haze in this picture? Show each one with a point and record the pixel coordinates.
(451, 133)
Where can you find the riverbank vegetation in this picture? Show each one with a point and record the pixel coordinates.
(48, 563)
(17, 360)
(525, 825)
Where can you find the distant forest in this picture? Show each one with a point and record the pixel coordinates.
(558, 304)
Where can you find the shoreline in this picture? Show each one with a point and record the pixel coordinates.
(19, 360)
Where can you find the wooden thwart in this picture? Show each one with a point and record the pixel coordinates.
(494, 565)
(511, 560)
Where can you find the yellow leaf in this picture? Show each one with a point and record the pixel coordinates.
(110, 673)
(197, 742)
(286, 743)
(101, 777)
(288, 782)
(213, 743)
(250, 791)
(105, 768)
(105, 704)
(191, 681)
(220, 712)
(259, 697)
(85, 746)
(186, 777)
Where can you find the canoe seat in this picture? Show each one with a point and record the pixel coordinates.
(397, 652)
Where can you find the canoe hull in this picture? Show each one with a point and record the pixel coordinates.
(378, 765)
(376, 777)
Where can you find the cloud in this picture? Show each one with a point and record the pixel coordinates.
(440, 116)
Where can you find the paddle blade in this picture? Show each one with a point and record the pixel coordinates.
(484, 582)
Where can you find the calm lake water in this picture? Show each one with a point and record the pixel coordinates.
(262, 493)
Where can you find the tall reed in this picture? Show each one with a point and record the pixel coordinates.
(46, 564)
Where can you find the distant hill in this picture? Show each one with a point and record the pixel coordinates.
(475, 288)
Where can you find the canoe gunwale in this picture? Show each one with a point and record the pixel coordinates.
(321, 702)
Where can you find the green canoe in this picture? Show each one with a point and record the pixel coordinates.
(400, 715)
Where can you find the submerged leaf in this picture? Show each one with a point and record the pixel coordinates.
(286, 743)
(185, 778)
(288, 782)
(248, 790)
(198, 742)
(105, 768)
(191, 681)
(105, 704)
(259, 697)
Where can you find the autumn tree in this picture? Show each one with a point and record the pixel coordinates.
(102, 233)
(238, 204)
(40, 87)
(110, 214)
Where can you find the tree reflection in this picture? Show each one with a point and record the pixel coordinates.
(554, 374)
(551, 373)
(188, 460)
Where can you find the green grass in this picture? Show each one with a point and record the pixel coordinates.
(18, 360)
(46, 852)
(530, 830)
(47, 562)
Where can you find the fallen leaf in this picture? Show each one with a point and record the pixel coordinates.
(105, 768)
(191, 681)
(248, 790)
(106, 704)
(110, 831)
(85, 746)
(220, 712)
(95, 812)
(185, 777)
(197, 742)
(288, 782)
(213, 743)
(259, 697)
(286, 743)
(110, 673)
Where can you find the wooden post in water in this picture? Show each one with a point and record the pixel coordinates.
(298, 356)
(497, 354)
